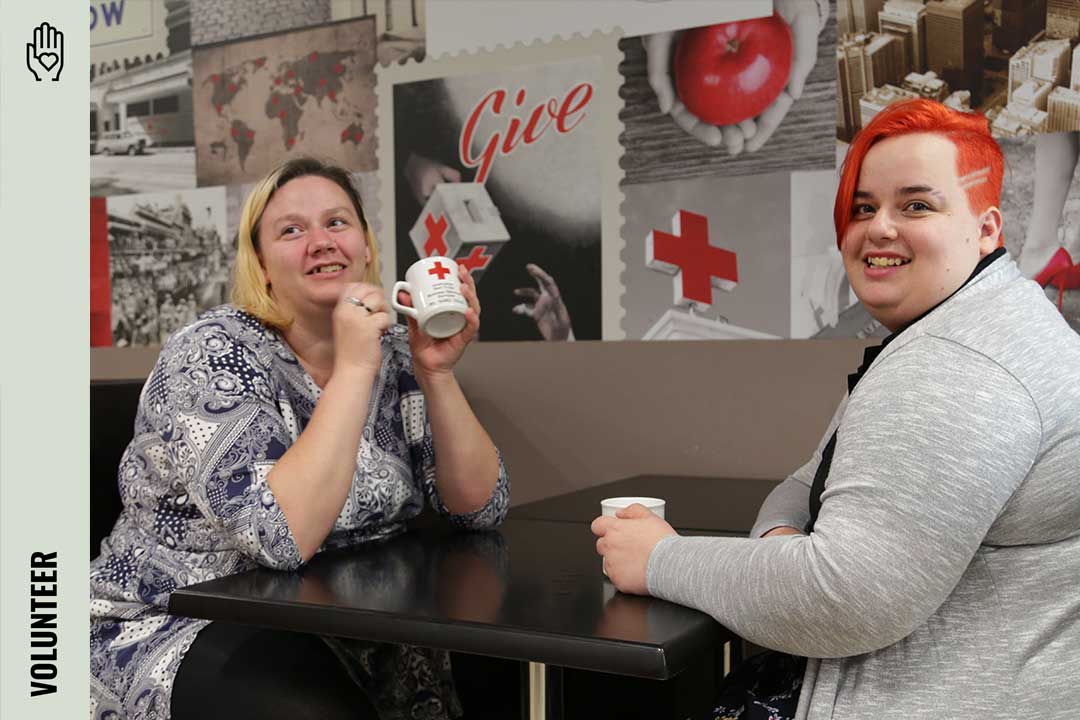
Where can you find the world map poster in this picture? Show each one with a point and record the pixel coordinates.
(261, 101)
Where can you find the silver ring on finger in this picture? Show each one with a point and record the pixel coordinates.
(358, 303)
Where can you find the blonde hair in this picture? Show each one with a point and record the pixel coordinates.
(250, 291)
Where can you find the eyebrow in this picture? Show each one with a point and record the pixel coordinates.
(906, 190)
(293, 217)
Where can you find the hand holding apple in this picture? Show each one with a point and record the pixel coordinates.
(751, 133)
(731, 72)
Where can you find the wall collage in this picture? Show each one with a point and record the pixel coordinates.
(574, 158)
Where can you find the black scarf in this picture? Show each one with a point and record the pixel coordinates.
(853, 379)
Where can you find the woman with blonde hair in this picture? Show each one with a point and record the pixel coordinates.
(297, 419)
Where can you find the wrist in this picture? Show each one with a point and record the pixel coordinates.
(434, 380)
(351, 376)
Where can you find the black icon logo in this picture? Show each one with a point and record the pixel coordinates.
(45, 56)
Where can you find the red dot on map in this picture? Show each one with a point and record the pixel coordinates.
(339, 68)
(236, 132)
(214, 78)
(218, 109)
(290, 74)
(273, 99)
(299, 89)
(282, 114)
(313, 57)
(358, 136)
(345, 133)
(250, 134)
(291, 142)
(232, 87)
(332, 95)
(277, 81)
(322, 81)
(259, 62)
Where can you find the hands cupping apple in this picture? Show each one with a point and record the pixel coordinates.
(736, 81)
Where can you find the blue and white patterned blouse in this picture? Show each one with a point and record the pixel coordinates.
(225, 400)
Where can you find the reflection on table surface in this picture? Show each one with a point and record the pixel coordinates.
(529, 590)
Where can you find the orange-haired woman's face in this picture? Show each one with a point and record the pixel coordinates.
(913, 239)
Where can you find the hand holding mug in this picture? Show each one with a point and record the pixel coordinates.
(439, 299)
(625, 543)
(360, 319)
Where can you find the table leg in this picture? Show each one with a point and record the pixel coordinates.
(545, 692)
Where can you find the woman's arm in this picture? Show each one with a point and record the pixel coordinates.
(932, 445)
(466, 463)
(312, 479)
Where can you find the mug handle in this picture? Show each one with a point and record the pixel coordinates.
(402, 285)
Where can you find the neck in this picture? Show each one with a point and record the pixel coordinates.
(312, 341)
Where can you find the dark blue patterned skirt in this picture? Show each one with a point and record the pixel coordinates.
(765, 686)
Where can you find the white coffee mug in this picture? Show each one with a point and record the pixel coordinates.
(610, 506)
(438, 305)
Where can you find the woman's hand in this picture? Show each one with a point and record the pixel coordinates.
(424, 174)
(544, 304)
(358, 328)
(749, 135)
(433, 357)
(626, 541)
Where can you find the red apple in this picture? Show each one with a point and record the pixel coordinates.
(730, 72)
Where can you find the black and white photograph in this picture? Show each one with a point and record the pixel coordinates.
(169, 259)
(142, 137)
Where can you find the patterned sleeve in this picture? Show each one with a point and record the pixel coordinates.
(422, 455)
(210, 401)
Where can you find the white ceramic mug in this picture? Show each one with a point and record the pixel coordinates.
(438, 305)
(610, 506)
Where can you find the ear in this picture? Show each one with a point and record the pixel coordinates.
(262, 266)
(989, 231)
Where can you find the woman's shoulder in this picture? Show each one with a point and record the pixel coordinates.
(223, 320)
(223, 336)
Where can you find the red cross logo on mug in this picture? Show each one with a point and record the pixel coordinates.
(438, 269)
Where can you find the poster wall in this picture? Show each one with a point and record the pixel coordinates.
(590, 189)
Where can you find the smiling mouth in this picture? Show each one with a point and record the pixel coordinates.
(881, 262)
(326, 269)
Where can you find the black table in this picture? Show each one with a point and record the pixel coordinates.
(531, 591)
(721, 505)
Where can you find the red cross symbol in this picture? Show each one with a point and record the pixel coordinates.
(698, 266)
(438, 269)
(476, 260)
(435, 244)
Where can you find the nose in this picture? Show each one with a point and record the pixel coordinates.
(881, 227)
(319, 241)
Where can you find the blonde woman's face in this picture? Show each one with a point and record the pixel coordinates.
(312, 244)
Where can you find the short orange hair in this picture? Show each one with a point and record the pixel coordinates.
(968, 132)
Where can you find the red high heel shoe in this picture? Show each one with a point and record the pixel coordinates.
(1057, 263)
(1067, 279)
(1059, 272)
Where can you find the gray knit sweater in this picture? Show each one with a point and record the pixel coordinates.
(942, 577)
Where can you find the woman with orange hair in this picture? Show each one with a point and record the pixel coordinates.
(924, 561)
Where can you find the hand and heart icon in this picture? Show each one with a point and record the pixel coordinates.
(45, 55)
